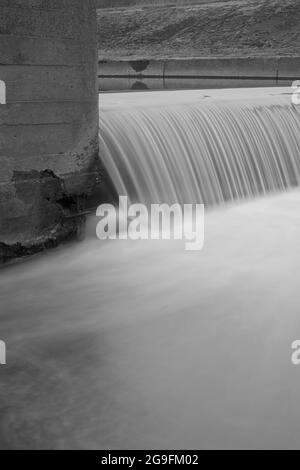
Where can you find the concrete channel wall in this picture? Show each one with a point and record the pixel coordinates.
(214, 72)
(48, 120)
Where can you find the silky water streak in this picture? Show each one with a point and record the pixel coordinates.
(200, 146)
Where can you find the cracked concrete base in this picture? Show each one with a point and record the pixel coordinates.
(51, 239)
(37, 212)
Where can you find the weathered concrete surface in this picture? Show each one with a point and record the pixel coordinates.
(227, 67)
(49, 124)
(127, 68)
(215, 72)
(289, 68)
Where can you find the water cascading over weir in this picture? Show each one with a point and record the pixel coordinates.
(201, 147)
(48, 120)
(186, 147)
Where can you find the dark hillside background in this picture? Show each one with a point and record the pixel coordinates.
(200, 28)
(125, 3)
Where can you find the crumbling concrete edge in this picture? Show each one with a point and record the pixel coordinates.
(63, 232)
(55, 214)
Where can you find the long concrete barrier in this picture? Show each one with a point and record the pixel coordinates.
(131, 68)
(289, 68)
(201, 72)
(231, 68)
(48, 120)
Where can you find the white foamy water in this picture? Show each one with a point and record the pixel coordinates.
(126, 344)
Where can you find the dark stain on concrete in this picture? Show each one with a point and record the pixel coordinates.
(45, 183)
(139, 65)
(64, 232)
(51, 215)
(52, 210)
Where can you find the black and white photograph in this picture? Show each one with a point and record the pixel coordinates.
(149, 228)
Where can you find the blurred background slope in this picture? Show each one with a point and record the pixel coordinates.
(203, 28)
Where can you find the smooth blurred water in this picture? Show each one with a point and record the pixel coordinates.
(190, 147)
(128, 344)
(139, 344)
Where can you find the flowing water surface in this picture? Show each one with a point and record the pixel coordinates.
(141, 344)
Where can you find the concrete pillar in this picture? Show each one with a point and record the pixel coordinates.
(48, 122)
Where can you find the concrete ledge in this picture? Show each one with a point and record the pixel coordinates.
(197, 73)
(289, 68)
(231, 68)
(237, 68)
(127, 68)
